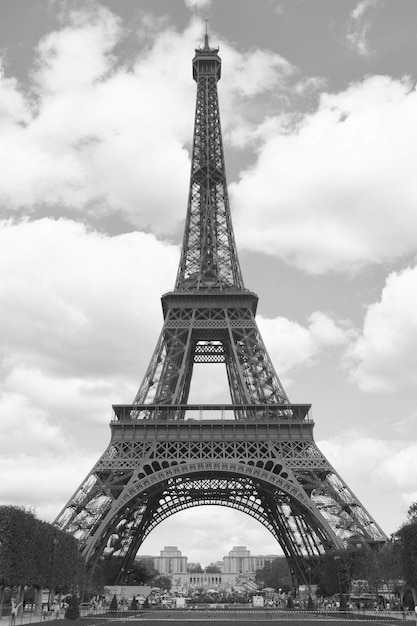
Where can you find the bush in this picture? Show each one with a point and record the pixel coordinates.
(73, 611)
(310, 604)
(343, 603)
(134, 604)
(113, 604)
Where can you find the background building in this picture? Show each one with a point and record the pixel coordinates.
(237, 573)
(240, 561)
(170, 561)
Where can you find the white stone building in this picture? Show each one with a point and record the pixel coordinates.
(238, 570)
(170, 561)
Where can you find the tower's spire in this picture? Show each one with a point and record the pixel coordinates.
(209, 259)
(206, 39)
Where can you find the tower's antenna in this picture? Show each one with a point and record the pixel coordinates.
(206, 40)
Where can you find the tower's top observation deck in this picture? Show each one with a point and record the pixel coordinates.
(207, 61)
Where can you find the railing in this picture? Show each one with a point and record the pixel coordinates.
(207, 612)
(208, 412)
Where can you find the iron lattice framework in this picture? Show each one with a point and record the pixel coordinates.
(256, 454)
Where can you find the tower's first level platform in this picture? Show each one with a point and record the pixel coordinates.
(212, 422)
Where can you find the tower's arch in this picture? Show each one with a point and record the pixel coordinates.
(272, 498)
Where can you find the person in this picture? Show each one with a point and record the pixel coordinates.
(13, 612)
(57, 609)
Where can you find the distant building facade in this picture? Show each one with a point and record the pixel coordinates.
(240, 561)
(237, 573)
(170, 561)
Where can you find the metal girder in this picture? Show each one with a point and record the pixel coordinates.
(146, 475)
(203, 335)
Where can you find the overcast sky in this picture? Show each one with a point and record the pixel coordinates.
(319, 117)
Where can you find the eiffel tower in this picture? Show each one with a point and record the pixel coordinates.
(256, 454)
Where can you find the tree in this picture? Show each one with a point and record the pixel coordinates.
(408, 538)
(35, 553)
(213, 569)
(143, 572)
(163, 582)
(113, 604)
(195, 568)
(275, 574)
(335, 572)
(17, 547)
(391, 568)
(412, 512)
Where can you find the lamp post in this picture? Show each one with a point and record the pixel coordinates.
(122, 593)
(337, 560)
(310, 603)
(308, 570)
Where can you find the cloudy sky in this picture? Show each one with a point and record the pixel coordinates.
(319, 117)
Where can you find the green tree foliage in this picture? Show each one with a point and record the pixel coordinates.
(35, 553)
(412, 512)
(17, 548)
(407, 535)
(310, 605)
(368, 568)
(391, 568)
(275, 574)
(110, 568)
(195, 569)
(113, 603)
(374, 567)
(213, 569)
(143, 572)
(163, 582)
(335, 572)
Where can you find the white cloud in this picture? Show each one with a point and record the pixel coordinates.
(79, 303)
(78, 55)
(197, 4)
(91, 131)
(13, 106)
(33, 430)
(337, 190)
(357, 35)
(87, 118)
(384, 356)
(293, 346)
(219, 527)
(377, 471)
(43, 481)
(254, 72)
(80, 315)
